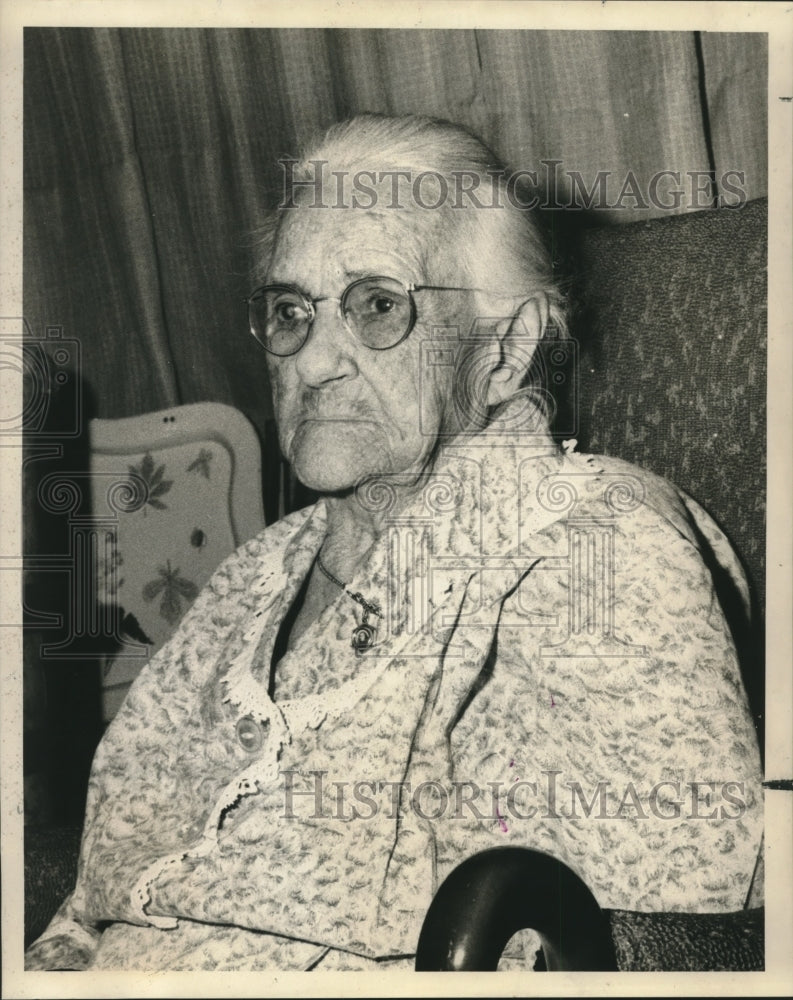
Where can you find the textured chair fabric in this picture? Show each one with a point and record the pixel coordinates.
(671, 330)
(50, 873)
(672, 374)
(689, 942)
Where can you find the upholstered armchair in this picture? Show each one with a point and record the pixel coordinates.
(494, 894)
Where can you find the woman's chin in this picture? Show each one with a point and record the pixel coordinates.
(336, 467)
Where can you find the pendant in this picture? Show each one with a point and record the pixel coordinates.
(362, 638)
(363, 634)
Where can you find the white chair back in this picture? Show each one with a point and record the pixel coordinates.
(179, 490)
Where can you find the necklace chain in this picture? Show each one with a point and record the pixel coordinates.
(363, 635)
(368, 606)
(333, 579)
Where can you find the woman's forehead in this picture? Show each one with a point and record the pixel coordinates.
(318, 245)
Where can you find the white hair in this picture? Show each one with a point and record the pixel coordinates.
(499, 248)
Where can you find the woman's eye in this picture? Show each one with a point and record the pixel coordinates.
(287, 312)
(383, 304)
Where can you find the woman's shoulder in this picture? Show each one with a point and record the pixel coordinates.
(278, 535)
(650, 515)
(271, 543)
(618, 474)
(630, 494)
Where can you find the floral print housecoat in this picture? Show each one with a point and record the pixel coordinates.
(553, 669)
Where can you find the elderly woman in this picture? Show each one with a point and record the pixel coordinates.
(474, 638)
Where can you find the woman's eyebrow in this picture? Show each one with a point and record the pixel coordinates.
(373, 272)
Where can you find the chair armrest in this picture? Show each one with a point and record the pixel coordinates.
(494, 894)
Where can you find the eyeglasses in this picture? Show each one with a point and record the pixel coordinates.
(379, 311)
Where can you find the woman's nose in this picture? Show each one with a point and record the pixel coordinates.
(328, 353)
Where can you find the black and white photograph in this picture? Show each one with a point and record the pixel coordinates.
(396, 511)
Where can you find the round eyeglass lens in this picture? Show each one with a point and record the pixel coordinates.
(280, 318)
(379, 311)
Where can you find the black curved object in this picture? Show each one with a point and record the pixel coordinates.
(494, 894)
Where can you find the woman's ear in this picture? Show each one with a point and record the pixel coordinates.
(518, 338)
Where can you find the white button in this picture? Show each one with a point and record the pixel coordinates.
(249, 734)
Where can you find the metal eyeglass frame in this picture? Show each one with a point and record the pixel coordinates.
(311, 311)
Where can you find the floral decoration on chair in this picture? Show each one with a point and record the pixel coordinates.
(156, 486)
(173, 588)
(201, 463)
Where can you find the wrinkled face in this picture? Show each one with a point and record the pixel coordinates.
(346, 412)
